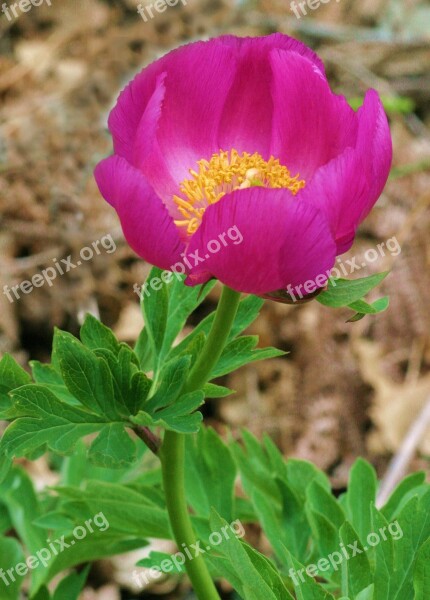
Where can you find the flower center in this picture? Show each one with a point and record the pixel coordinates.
(224, 173)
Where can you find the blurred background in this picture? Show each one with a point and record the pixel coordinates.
(345, 389)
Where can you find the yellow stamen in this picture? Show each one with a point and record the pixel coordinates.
(224, 173)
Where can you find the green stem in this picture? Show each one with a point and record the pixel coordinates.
(216, 341)
(172, 453)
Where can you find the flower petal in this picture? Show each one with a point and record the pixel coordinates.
(311, 125)
(246, 123)
(197, 85)
(199, 81)
(347, 188)
(146, 224)
(284, 242)
(147, 155)
(341, 190)
(198, 78)
(275, 40)
(375, 146)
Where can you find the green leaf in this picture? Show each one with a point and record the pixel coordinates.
(95, 335)
(11, 376)
(304, 584)
(19, 496)
(144, 351)
(122, 367)
(185, 405)
(211, 390)
(179, 416)
(167, 303)
(360, 306)
(395, 105)
(143, 419)
(326, 538)
(422, 572)
(11, 554)
(259, 579)
(76, 469)
(139, 392)
(255, 467)
(94, 547)
(277, 490)
(343, 292)
(364, 308)
(41, 594)
(392, 104)
(356, 572)
(155, 308)
(5, 521)
(293, 483)
(126, 510)
(71, 586)
(284, 521)
(156, 559)
(45, 421)
(248, 311)
(367, 594)
(51, 379)
(173, 377)
(86, 376)
(183, 300)
(320, 499)
(361, 496)
(414, 524)
(301, 473)
(242, 351)
(113, 448)
(195, 347)
(53, 520)
(381, 556)
(187, 424)
(409, 484)
(210, 474)
(268, 570)
(5, 465)
(246, 314)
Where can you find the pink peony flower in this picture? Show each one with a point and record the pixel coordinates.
(243, 133)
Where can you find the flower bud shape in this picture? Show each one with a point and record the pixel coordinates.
(244, 134)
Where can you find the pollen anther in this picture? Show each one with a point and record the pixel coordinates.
(224, 173)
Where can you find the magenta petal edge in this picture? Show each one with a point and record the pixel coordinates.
(235, 159)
